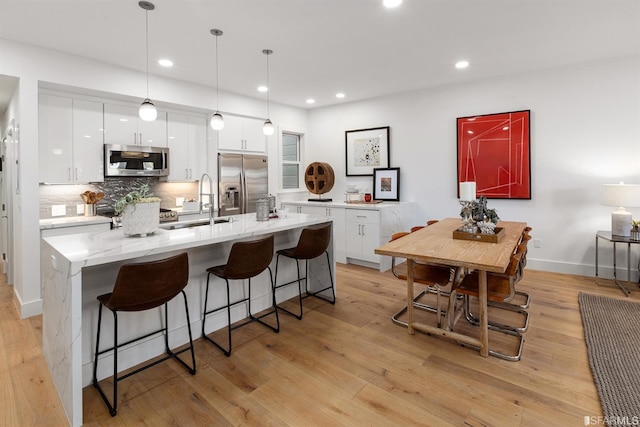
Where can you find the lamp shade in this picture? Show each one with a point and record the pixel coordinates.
(216, 122)
(621, 195)
(147, 111)
(625, 195)
(268, 128)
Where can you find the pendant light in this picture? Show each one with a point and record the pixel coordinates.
(268, 128)
(147, 110)
(216, 122)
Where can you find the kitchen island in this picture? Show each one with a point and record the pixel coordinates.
(77, 268)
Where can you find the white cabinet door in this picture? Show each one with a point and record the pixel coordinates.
(254, 137)
(153, 133)
(241, 134)
(363, 234)
(88, 152)
(187, 146)
(197, 146)
(55, 136)
(178, 138)
(122, 126)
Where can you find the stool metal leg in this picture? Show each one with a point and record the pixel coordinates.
(316, 293)
(298, 281)
(306, 285)
(251, 317)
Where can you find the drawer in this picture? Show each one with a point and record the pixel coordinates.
(362, 215)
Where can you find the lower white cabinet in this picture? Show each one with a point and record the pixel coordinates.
(363, 234)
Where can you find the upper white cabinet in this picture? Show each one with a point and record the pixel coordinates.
(241, 134)
(123, 126)
(70, 140)
(187, 137)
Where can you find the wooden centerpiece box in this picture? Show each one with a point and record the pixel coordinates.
(480, 237)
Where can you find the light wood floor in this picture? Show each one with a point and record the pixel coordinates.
(345, 364)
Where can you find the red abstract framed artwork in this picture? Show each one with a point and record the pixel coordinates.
(493, 151)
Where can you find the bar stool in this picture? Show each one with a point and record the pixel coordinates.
(246, 260)
(312, 243)
(140, 287)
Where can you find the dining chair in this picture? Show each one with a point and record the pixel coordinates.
(500, 288)
(436, 278)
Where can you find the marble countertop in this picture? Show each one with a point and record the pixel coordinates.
(72, 221)
(96, 248)
(343, 204)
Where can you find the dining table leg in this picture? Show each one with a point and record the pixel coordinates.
(484, 321)
(410, 264)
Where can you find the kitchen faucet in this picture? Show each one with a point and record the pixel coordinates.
(210, 204)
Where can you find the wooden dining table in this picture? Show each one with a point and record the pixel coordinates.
(435, 244)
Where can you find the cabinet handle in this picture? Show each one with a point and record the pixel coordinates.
(135, 138)
(363, 229)
(76, 170)
(361, 216)
(140, 138)
(68, 174)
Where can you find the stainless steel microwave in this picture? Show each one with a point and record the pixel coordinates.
(135, 160)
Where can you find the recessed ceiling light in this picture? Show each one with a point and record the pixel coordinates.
(340, 95)
(391, 3)
(166, 62)
(462, 64)
(310, 101)
(262, 88)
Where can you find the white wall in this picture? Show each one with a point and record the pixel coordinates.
(34, 67)
(585, 131)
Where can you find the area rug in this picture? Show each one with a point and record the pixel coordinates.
(612, 333)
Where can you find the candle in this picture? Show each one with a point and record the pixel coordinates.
(467, 191)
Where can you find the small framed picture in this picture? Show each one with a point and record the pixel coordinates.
(366, 149)
(386, 184)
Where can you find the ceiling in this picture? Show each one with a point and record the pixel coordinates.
(326, 46)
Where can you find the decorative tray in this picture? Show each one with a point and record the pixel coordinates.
(480, 237)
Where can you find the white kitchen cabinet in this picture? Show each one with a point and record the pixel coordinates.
(187, 144)
(70, 140)
(241, 134)
(363, 234)
(123, 126)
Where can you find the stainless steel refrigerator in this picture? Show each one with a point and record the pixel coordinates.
(242, 180)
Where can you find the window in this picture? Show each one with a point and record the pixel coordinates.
(290, 161)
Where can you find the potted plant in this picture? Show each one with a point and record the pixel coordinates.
(139, 211)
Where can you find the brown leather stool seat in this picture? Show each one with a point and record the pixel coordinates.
(246, 260)
(140, 287)
(313, 242)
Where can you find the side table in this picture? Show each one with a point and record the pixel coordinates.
(606, 235)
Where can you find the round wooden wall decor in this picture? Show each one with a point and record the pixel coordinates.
(319, 177)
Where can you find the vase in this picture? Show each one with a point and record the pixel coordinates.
(140, 219)
(635, 235)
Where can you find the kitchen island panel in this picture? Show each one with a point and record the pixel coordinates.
(78, 268)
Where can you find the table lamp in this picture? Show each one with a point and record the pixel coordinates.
(621, 195)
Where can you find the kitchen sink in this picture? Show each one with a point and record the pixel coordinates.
(194, 223)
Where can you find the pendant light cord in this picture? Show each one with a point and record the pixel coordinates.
(146, 23)
(268, 86)
(217, 85)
